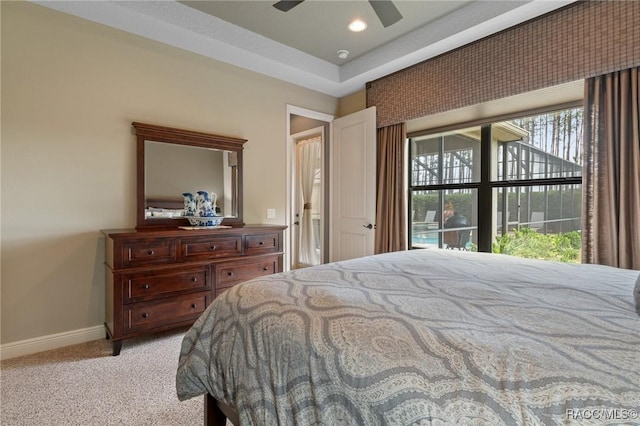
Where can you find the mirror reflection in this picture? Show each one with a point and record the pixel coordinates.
(173, 161)
(173, 169)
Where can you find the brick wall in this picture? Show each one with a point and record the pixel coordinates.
(581, 40)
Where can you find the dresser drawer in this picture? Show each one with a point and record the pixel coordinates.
(229, 274)
(161, 283)
(147, 252)
(169, 311)
(200, 248)
(164, 278)
(262, 243)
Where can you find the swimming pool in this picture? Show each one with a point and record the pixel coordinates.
(430, 239)
(425, 239)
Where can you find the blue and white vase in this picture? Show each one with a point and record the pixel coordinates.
(189, 204)
(204, 206)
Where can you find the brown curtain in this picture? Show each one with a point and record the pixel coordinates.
(391, 218)
(611, 170)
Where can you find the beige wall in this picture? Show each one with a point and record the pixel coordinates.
(70, 90)
(352, 103)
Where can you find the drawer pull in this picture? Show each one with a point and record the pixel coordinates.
(230, 273)
(150, 252)
(194, 306)
(145, 315)
(194, 279)
(145, 286)
(261, 243)
(266, 268)
(213, 247)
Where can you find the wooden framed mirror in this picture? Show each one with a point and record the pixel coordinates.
(173, 161)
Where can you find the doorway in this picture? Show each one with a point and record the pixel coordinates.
(346, 220)
(308, 188)
(306, 241)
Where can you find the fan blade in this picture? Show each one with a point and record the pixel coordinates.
(387, 12)
(287, 5)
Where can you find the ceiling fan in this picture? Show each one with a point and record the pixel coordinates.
(385, 9)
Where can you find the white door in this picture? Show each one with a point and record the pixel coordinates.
(352, 207)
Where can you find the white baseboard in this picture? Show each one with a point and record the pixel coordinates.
(52, 341)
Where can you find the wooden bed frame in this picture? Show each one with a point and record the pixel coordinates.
(165, 203)
(216, 413)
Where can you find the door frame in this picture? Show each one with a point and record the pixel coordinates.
(290, 152)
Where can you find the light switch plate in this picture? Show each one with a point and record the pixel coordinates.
(271, 213)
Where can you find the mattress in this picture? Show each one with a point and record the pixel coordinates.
(422, 337)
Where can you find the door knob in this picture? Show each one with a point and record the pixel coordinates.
(369, 226)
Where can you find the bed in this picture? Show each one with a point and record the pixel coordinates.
(421, 337)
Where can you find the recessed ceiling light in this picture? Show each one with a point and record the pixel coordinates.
(357, 26)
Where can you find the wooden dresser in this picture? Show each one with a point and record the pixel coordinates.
(162, 279)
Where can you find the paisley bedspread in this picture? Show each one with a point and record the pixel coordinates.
(422, 337)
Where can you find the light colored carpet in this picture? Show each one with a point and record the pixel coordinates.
(85, 385)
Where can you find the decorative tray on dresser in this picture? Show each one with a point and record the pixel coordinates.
(162, 279)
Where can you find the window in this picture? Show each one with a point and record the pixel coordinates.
(499, 186)
(449, 158)
(442, 168)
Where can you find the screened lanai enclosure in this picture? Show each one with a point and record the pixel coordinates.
(531, 166)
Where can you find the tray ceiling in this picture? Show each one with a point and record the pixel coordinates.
(300, 46)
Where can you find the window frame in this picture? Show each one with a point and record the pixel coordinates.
(485, 186)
